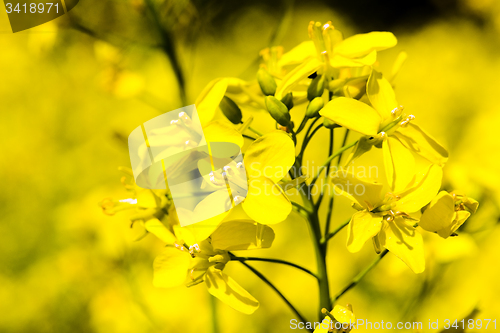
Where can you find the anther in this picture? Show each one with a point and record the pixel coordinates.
(228, 171)
(216, 258)
(185, 118)
(405, 122)
(397, 111)
(238, 199)
(328, 314)
(215, 179)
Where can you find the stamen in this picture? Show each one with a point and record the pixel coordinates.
(328, 314)
(216, 258)
(195, 247)
(228, 171)
(397, 111)
(238, 199)
(215, 178)
(185, 119)
(405, 122)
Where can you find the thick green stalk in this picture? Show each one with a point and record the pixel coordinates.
(320, 252)
(324, 287)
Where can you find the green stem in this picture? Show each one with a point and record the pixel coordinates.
(277, 261)
(213, 308)
(255, 131)
(324, 288)
(306, 140)
(344, 141)
(249, 137)
(340, 151)
(360, 276)
(169, 49)
(336, 231)
(263, 278)
(332, 197)
(330, 151)
(345, 147)
(302, 125)
(329, 215)
(300, 208)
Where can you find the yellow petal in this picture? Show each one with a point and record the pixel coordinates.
(227, 290)
(209, 99)
(184, 235)
(242, 235)
(325, 325)
(424, 190)
(171, 268)
(471, 204)
(271, 155)
(399, 164)
(360, 45)
(381, 94)
(339, 61)
(352, 114)
(416, 139)
(211, 210)
(157, 228)
(217, 131)
(405, 242)
(265, 202)
(365, 193)
(439, 214)
(398, 63)
(458, 219)
(298, 54)
(343, 314)
(363, 226)
(298, 74)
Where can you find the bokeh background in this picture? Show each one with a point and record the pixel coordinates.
(72, 90)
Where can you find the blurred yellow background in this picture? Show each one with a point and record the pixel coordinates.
(69, 100)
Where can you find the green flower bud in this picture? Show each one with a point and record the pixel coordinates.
(329, 124)
(314, 106)
(278, 111)
(230, 110)
(316, 87)
(288, 100)
(266, 82)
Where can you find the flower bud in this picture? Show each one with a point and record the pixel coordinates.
(314, 106)
(278, 111)
(364, 145)
(266, 82)
(230, 110)
(316, 87)
(288, 100)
